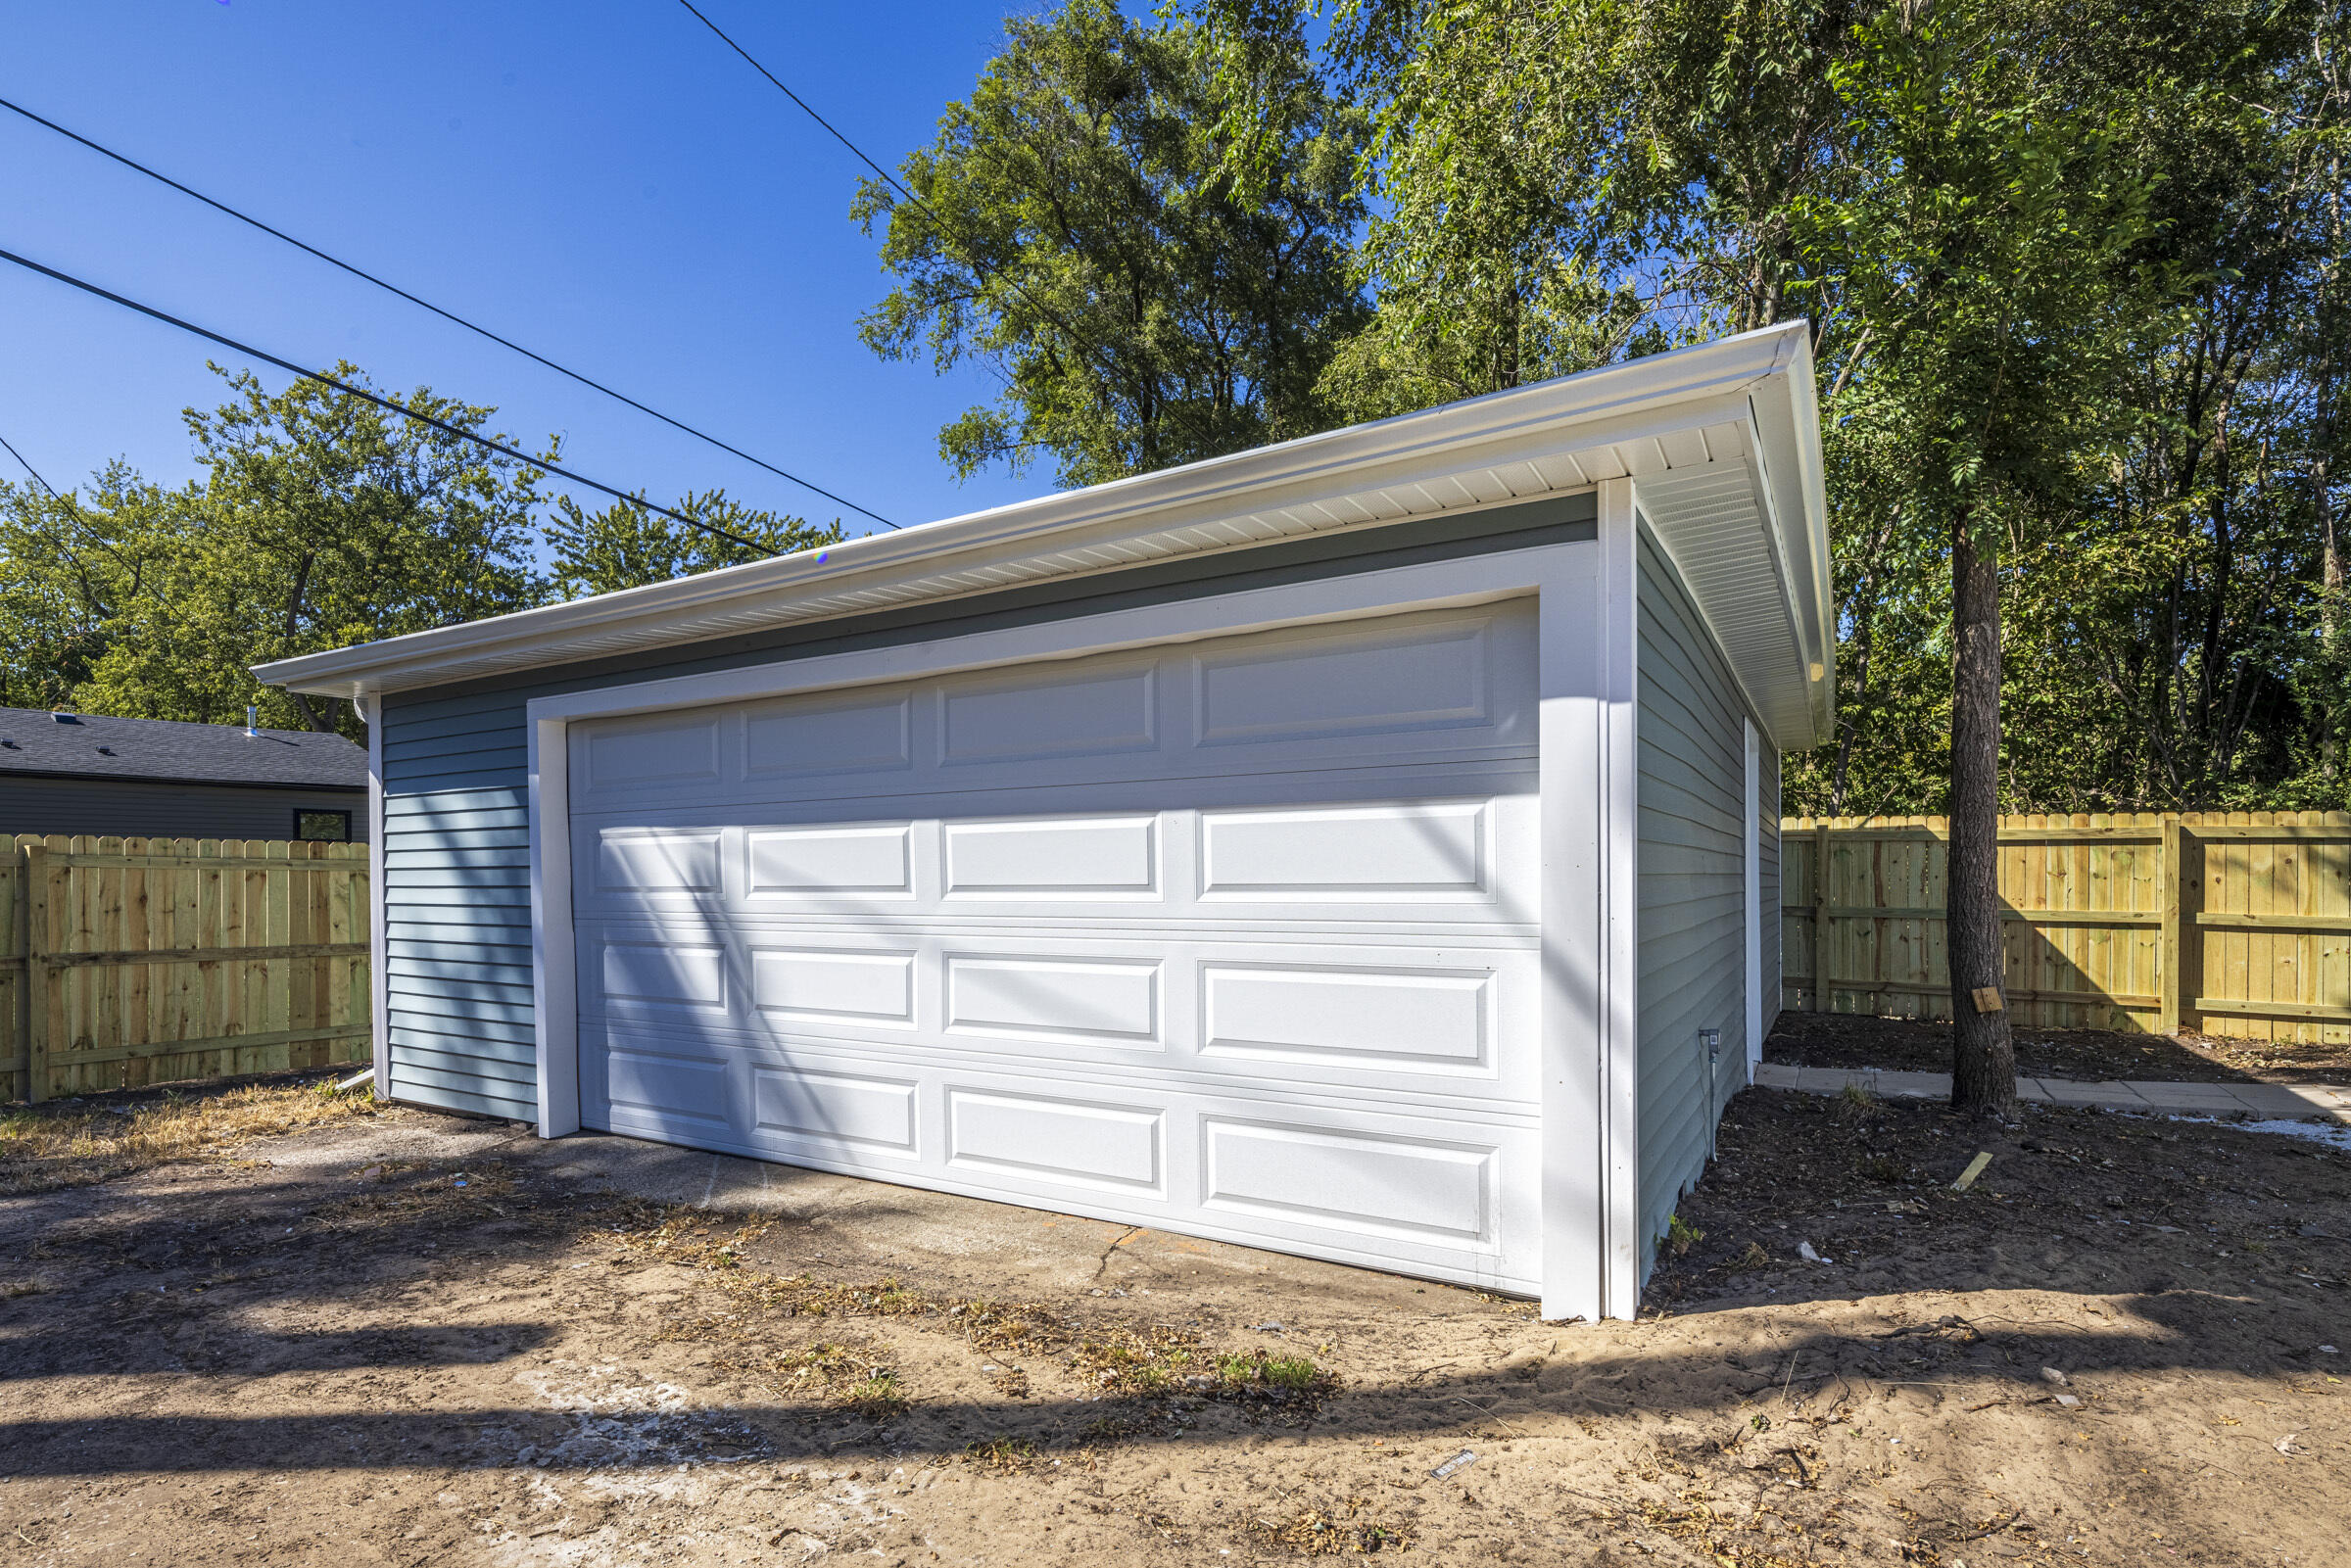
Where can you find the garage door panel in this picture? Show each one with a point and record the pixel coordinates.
(669, 752)
(802, 1108)
(1238, 937)
(1401, 1187)
(662, 1089)
(1415, 863)
(1060, 1139)
(1048, 858)
(1326, 683)
(1379, 1023)
(803, 864)
(1034, 997)
(1356, 1018)
(869, 987)
(640, 861)
(1062, 712)
(802, 738)
(1417, 1192)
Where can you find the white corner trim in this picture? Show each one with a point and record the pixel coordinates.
(379, 996)
(1585, 777)
(554, 993)
(1617, 824)
(1753, 837)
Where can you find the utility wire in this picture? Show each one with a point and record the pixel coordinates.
(28, 467)
(378, 400)
(445, 316)
(938, 223)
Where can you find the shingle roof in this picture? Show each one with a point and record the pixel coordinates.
(94, 747)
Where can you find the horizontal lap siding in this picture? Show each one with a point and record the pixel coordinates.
(458, 936)
(131, 809)
(1692, 889)
(456, 807)
(1769, 897)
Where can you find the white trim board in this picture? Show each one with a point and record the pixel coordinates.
(1585, 595)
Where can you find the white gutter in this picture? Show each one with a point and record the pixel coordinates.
(1415, 464)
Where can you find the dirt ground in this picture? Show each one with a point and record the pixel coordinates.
(406, 1339)
(1853, 1040)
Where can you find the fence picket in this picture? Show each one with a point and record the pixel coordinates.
(129, 961)
(2236, 922)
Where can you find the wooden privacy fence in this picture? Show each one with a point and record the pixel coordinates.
(130, 961)
(2236, 923)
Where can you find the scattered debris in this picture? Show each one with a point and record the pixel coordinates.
(2286, 1445)
(1459, 1461)
(2068, 1400)
(1975, 1168)
(2050, 1374)
(1804, 1251)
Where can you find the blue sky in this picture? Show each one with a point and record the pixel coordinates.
(600, 181)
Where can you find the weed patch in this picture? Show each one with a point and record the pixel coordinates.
(1006, 1456)
(1316, 1533)
(74, 1143)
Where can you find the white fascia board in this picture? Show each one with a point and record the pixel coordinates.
(1787, 409)
(1473, 447)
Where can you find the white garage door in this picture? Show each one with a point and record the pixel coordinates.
(1234, 937)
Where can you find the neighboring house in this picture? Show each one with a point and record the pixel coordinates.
(1365, 846)
(82, 773)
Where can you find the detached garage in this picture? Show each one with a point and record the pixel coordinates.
(1363, 847)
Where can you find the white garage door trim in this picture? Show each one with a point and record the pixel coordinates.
(1585, 609)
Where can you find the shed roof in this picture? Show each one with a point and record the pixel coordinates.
(91, 746)
(1722, 441)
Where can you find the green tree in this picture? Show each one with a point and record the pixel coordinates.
(1986, 243)
(625, 545)
(71, 567)
(322, 520)
(1083, 231)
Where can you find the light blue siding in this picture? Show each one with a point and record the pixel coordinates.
(456, 810)
(1767, 815)
(1691, 935)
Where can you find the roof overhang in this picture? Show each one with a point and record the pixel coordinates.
(1721, 440)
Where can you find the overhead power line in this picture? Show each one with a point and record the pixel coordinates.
(445, 316)
(28, 467)
(938, 223)
(377, 398)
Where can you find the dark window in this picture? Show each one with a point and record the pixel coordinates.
(329, 827)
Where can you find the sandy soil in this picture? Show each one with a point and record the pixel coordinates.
(417, 1340)
(1850, 1040)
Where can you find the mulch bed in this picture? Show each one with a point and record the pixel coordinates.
(1853, 1040)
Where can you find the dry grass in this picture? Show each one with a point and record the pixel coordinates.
(1332, 1533)
(72, 1144)
(847, 1377)
(407, 1191)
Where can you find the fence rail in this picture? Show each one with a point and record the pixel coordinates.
(130, 961)
(2236, 923)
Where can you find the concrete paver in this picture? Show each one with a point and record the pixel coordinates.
(2285, 1099)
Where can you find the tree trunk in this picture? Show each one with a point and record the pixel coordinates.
(1984, 1051)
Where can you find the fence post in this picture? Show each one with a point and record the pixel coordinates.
(36, 972)
(2172, 940)
(1820, 917)
(2178, 923)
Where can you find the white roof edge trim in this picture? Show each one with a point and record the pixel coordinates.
(886, 568)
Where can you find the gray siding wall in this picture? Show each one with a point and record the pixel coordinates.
(1691, 935)
(456, 843)
(129, 809)
(1767, 864)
